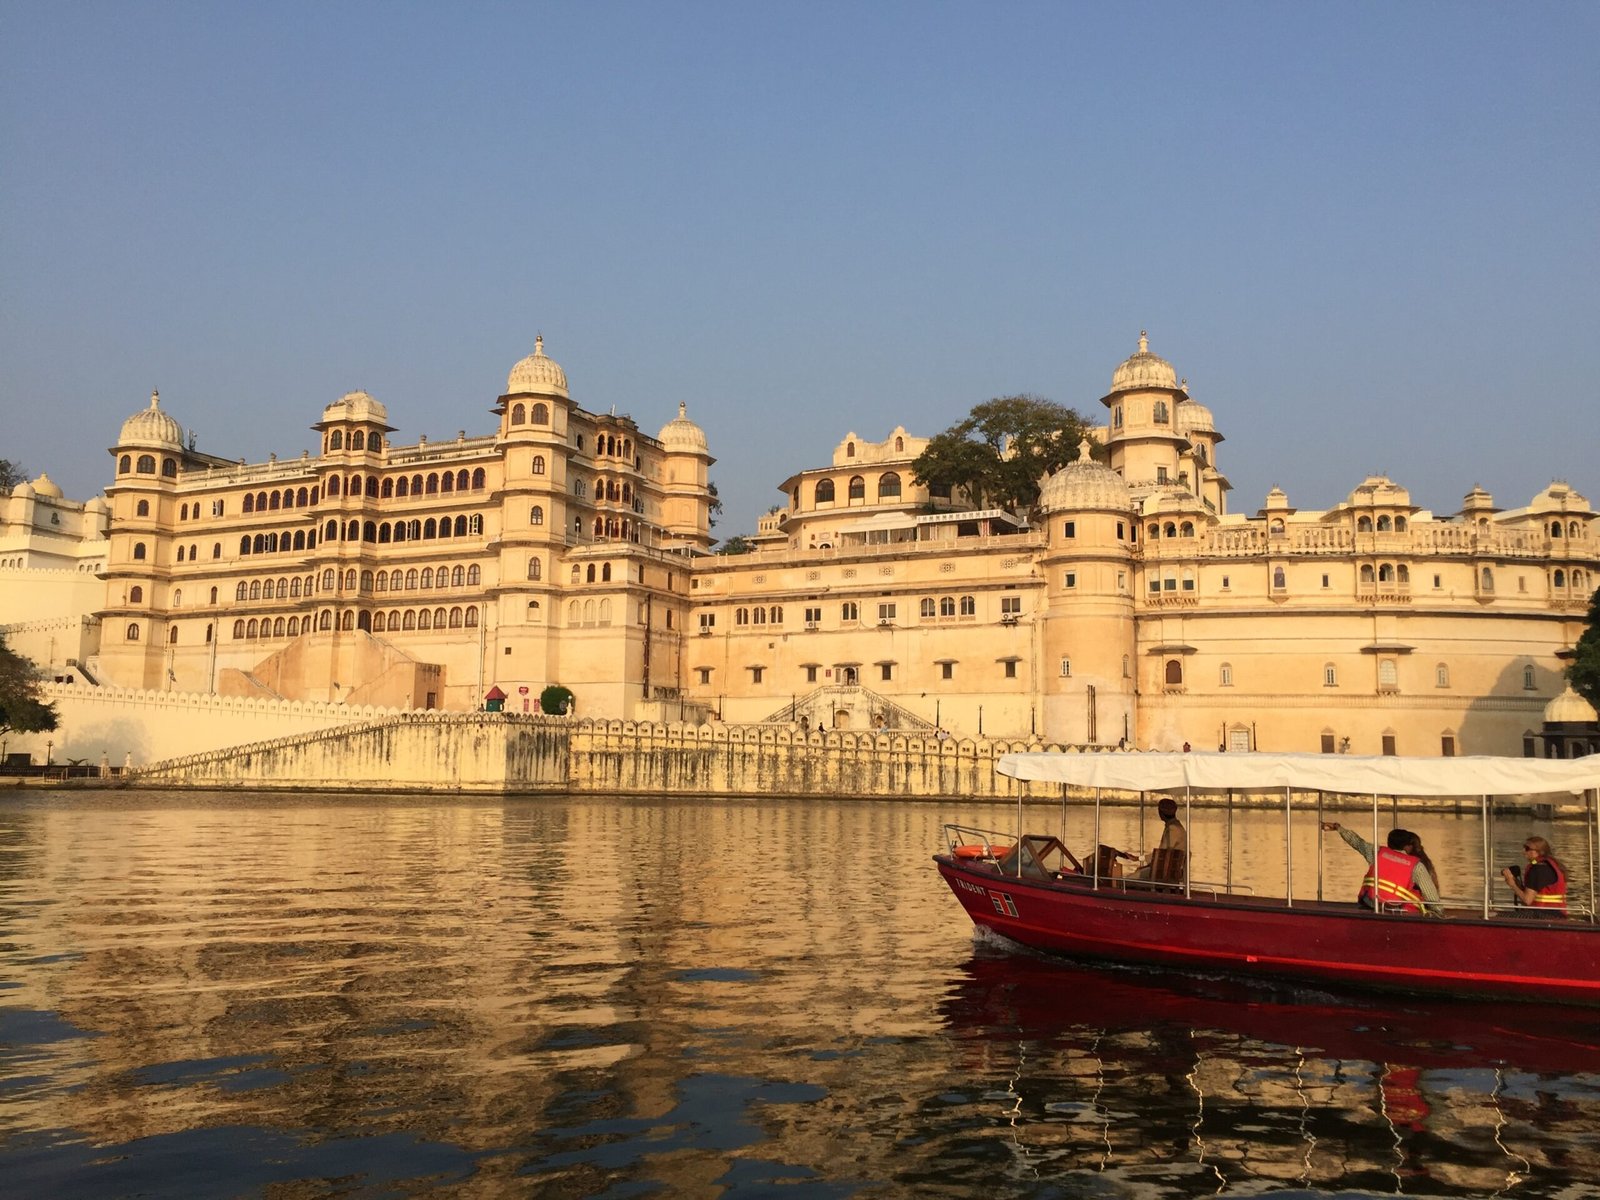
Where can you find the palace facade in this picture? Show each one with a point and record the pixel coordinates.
(570, 547)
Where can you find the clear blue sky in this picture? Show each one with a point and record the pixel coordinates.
(1367, 233)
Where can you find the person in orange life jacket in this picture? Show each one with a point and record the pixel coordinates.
(1543, 885)
(1405, 878)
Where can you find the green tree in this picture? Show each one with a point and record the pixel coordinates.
(737, 544)
(1584, 670)
(21, 710)
(11, 474)
(714, 509)
(556, 700)
(998, 455)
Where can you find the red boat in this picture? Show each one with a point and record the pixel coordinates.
(1033, 891)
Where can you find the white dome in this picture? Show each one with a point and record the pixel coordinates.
(537, 375)
(1144, 370)
(1084, 484)
(1194, 417)
(1569, 708)
(151, 427)
(356, 406)
(45, 486)
(682, 436)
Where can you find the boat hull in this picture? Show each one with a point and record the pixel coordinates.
(1333, 944)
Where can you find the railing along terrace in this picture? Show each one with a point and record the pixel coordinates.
(1419, 542)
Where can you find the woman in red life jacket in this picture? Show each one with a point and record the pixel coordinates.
(1400, 878)
(1542, 886)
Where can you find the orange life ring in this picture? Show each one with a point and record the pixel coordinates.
(971, 852)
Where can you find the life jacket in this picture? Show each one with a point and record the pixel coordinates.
(1395, 893)
(1552, 898)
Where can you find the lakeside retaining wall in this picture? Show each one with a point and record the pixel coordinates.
(499, 753)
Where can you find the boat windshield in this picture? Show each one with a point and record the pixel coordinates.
(1040, 858)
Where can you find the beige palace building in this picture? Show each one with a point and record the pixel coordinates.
(570, 547)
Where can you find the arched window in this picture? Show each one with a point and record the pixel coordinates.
(1159, 413)
(427, 577)
(347, 621)
(1399, 524)
(461, 480)
(605, 573)
(824, 491)
(147, 464)
(541, 414)
(336, 440)
(1441, 676)
(372, 486)
(1403, 573)
(579, 488)
(461, 525)
(409, 621)
(138, 550)
(172, 636)
(473, 575)
(1385, 524)
(1330, 675)
(424, 618)
(1280, 581)
(125, 465)
(535, 569)
(458, 576)
(605, 611)
(242, 592)
(180, 553)
(238, 628)
(169, 467)
(1225, 675)
(142, 509)
(278, 627)
(358, 440)
(519, 414)
(333, 485)
(889, 486)
(1386, 573)
(589, 574)
(1363, 524)
(455, 618)
(1187, 530)
(1560, 578)
(294, 588)
(1388, 673)
(858, 487)
(1367, 575)
(1486, 579)
(1527, 678)
(536, 515)
(379, 622)
(1174, 672)
(472, 616)
(447, 482)
(135, 594)
(255, 589)
(133, 631)
(411, 579)
(926, 607)
(478, 478)
(432, 487)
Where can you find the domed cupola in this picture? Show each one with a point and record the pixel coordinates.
(1144, 370)
(45, 486)
(682, 436)
(1569, 708)
(152, 427)
(537, 375)
(1084, 484)
(1194, 417)
(356, 406)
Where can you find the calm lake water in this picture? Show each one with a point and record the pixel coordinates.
(234, 995)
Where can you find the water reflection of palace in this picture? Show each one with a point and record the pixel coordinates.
(574, 997)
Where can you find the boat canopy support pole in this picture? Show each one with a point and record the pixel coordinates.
(1188, 824)
(1097, 839)
(1288, 850)
(1320, 847)
(1488, 900)
(1591, 804)
(1230, 842)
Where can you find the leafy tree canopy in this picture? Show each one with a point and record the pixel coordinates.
(714, 509)
(11, 474)
(737, 544)
(556, 700)
(21, 710)
(1584, 670)
(998, 455)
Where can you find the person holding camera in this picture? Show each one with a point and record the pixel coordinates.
(1542, 887)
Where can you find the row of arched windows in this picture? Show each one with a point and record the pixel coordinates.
(272, 501)
(399, 487)
(1574, 529)
(273, 543)
(1385, 573)
(146, 465)
(758, 616)
(1172, 529)
(588, 612)
(520, 414)
(856, 489)
(360, 439)
(947, 606)
(392, 621)
(404, 531)
(1384, 524)
(850, 447)
(611, 446)
(266, 589)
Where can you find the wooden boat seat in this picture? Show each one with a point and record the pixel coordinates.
(1166, 866)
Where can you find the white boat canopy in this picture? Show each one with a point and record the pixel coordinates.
(1386, 775)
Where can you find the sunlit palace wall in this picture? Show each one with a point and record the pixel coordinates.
(562, 546)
